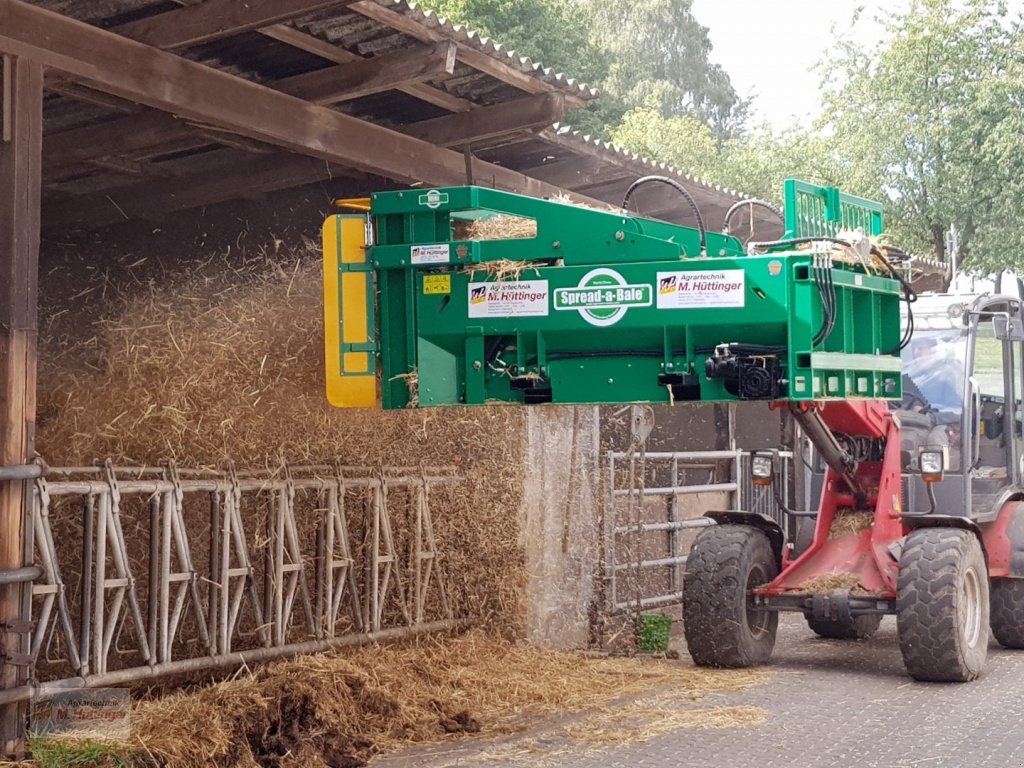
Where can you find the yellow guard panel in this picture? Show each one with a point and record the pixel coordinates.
(348, 325)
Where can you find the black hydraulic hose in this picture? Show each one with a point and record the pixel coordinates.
(752, 202)
(909, 296)
(678, 188)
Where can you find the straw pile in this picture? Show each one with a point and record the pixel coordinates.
(849, 521)
(340, 709)
(828, 582)
(222, 359)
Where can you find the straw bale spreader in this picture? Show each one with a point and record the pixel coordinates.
(464, 296)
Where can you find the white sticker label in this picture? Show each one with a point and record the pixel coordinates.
(524, 298)
(689, 290)
(430, 254)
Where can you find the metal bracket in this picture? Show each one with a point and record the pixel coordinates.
(16, 659)
(18, 626)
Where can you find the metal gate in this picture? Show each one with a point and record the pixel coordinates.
(654, 505)
(147, 572)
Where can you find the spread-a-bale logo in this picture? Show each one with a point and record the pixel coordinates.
(433, 198)
(602, 297)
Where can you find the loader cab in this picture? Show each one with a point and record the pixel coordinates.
(962, 388)
(963, 381)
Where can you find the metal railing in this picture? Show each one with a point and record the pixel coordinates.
(144, 572)
(640, 572)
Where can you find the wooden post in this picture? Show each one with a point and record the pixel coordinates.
(20, 166)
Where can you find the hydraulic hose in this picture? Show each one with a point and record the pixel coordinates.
(678, 188)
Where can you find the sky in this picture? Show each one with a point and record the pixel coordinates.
(768, 47)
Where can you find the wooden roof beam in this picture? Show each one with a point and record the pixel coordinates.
(248, 179)
(479, 60)
(372, 75)
(485, 123)
(122, 67)
(216, 19)
(330, 52)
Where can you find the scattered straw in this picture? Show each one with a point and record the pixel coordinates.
(412, 381)
(342, 708)
(828, 582)
(502, 269)
(849, 521)
(501, 227)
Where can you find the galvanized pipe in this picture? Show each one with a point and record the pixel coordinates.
(45, 691)
(19, 472)
(20, 575)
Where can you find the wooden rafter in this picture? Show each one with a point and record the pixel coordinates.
(249, 178)
(330, 52)
(216, 19)
(122, 67)
(373, 75)
(501, 119)
(477, 59)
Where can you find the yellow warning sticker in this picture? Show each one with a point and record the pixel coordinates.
(437, 284)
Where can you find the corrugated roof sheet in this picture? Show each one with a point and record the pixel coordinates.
(463, 34)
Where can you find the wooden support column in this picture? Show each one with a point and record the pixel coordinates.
(20, 166)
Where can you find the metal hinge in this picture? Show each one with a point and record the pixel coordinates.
(18, 626)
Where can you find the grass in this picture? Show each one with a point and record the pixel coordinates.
(60, 753)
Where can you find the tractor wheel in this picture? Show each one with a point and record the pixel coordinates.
(942, 605)
(858, 628)
(1008, 612)
(722, 628)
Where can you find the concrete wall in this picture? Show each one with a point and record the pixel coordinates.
(561, 523)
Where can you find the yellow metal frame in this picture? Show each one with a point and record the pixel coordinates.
(351, 374)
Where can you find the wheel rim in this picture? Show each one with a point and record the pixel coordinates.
(970, 615)
(757, 619)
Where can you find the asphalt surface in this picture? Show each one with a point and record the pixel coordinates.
(825, 703)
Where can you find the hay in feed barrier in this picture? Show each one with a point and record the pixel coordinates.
(221, 359)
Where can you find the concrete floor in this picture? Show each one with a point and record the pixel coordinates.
(827, 703)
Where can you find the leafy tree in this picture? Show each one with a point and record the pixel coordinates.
(634, 53)
(660, 57)
(756, 162)
(555, 33)
(932, 122)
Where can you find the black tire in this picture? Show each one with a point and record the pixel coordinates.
(1007, 618)
(721, 628)
(942, 605)
(858, 628)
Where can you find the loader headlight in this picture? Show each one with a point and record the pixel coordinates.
(762, 467)
(933, 464)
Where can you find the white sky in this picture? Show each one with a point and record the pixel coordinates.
(768, 46)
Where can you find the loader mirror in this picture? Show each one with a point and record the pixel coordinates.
(762, 467)
(933, 464)
(1007, 327)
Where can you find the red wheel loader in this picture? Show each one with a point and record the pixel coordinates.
(920, 486)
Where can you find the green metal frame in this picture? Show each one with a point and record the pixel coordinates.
(612, 308)
(813, 211)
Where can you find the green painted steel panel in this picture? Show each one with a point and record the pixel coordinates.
(602, 307)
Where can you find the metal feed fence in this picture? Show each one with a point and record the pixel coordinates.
(149, 572)
(652, 503)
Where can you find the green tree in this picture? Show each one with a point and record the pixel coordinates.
(756, 162)
(660, 57)
(932, 123)
(553, 32)
(653, 52)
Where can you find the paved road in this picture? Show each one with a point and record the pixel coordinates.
(828, 703)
